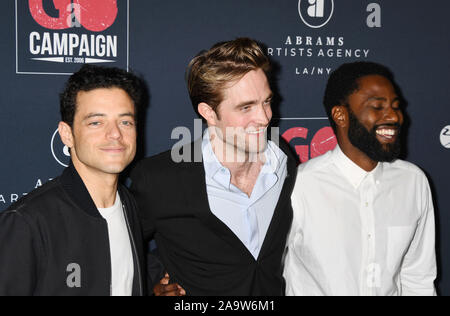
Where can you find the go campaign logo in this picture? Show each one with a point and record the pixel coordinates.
(56, 36)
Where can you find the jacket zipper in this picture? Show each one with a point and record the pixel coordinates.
(134, 250)
(110, 259)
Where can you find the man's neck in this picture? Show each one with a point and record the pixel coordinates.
(356, 155)
(101, 187)
(244, 167)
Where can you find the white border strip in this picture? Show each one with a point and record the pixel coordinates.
(44, 73)
(17, 45)
(300, 118)
(128, 35)
(62, 73)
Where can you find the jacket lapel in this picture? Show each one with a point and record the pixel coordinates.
(282, 213)
(76, 189)
(196, 198)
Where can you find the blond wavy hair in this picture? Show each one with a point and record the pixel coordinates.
(214, 70)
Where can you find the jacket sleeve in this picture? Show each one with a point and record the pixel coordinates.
(419, 267)
(142, 192)
(18, 256)
(155, 270)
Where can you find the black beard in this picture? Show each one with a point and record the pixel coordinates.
(367, 142)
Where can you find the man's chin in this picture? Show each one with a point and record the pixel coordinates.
(258, 150)
(112, 170)
(113, 167)
(376, 150)
(386, 154)
(256, 146)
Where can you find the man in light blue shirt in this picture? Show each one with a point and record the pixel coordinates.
(221, 223)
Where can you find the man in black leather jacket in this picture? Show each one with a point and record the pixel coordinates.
(79, 234)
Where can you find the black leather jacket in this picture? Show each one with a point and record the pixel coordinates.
(55, 242)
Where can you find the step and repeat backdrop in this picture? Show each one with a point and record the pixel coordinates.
(44, 41)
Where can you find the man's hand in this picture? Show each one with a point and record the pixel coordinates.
(166, 289)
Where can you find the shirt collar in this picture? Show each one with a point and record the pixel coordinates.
(210, 161)
(355, 174)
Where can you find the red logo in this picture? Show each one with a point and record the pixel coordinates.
(93, 15)
(323, 141)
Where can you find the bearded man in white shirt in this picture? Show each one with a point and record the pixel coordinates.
(363, 219)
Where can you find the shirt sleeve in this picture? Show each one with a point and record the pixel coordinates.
(18, 259)
(291, 269)
(298, 208)
(419, 268)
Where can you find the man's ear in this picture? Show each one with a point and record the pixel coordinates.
(65, 132)
(339, 113)
(207, 113)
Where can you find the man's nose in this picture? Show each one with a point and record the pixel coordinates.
(392, 115)
(114, 131)
(264, 115)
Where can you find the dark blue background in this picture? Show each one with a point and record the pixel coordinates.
(165, 34)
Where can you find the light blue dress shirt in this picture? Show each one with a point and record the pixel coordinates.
(247, 217)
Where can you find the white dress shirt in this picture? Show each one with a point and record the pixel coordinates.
(122, 264)
(360, 233)
(247, 217)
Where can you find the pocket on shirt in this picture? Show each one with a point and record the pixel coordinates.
(399, 240)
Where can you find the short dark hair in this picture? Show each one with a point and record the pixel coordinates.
(212, 71)
(344, 81)
(91, 77)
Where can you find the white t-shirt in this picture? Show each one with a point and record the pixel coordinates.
(122, 265)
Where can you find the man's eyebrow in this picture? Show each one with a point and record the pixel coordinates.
(128, 114)
(245, 103)
(91, 115)
(382, 99)
(250, 102)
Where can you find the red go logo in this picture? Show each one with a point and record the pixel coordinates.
(93, 15)
(323, 141)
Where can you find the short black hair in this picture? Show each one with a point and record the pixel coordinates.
(344, 81)
(91, 77)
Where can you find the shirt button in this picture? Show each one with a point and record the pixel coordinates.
(367, 204)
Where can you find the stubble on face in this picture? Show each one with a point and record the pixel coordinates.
(104, 132)
(245, 114)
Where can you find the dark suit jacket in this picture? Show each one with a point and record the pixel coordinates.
(197, 249)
